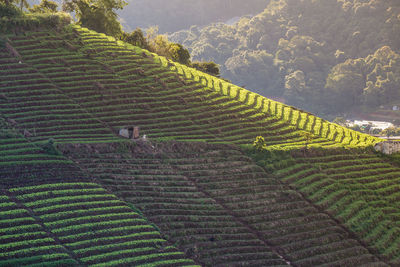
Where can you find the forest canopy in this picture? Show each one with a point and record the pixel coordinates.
(327, 56)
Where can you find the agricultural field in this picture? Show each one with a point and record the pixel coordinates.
(37, 107)
(358, 188)
(193, 192)
(25, 162)
(69, 224)
(218, 206)
(103, 84)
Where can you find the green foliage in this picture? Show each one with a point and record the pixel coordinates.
(179, 54)
(135, 38)
(208, 67)
(9, 10)
(160, 45)
(371, 81)
(45, 6)
(260, 144)
(98, 15)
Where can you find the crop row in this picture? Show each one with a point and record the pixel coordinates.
(100, 231)
(116, 77)
(34, 246)
(37, 96)
(358, 188)
(281, 215)
(167, 93)
(191, 219)
(300, 119)
(218, 196)
(24, 162)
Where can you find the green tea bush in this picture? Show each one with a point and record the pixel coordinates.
(259, 144)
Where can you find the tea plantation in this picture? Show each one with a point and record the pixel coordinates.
(191, 191)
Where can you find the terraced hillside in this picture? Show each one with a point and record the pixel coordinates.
(73, 192)
(72, 224)
(221, 208)
(40, 110)
(58, 223)
(358, 188)
(92, 85)
(24, 162)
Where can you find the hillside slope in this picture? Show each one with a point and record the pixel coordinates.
(72, 224)
(106, 84)
(23, 162)
(189, 193)
(215, 203)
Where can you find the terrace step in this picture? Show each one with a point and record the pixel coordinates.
(73, 233)
(191, 190)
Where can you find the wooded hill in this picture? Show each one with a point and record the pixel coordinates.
(329, 57)
(193, 191)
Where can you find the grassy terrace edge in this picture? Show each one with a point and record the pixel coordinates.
(302, 120)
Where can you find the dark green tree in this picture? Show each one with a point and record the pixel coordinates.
(179, 54)
(345, 85)
(98, 15)
(8, 9)
(260, 144)
(159, 44)
(207, 67)
(45, 6)
(23, 4)
(136, 38)
(315, 37)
